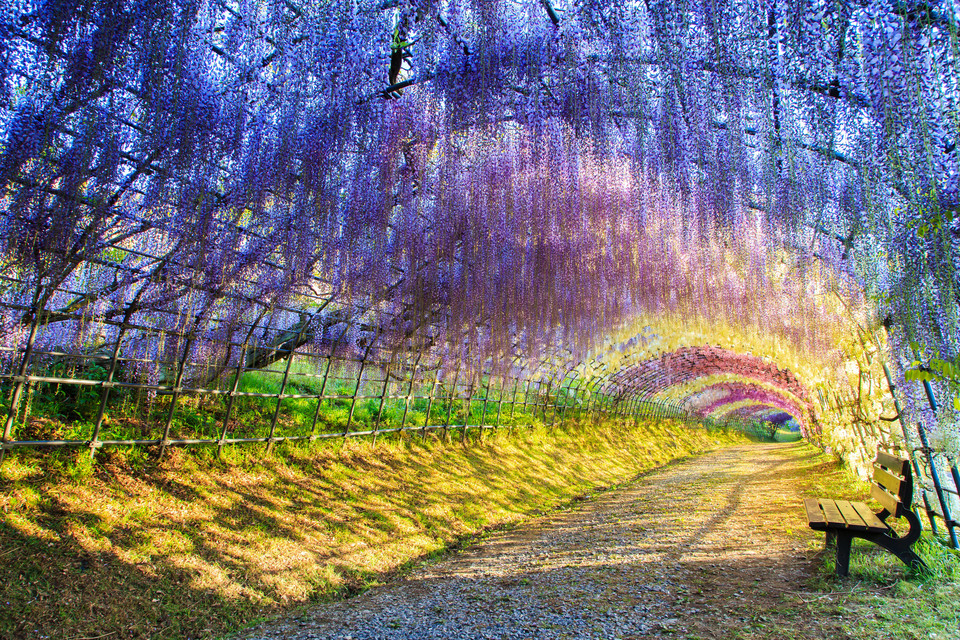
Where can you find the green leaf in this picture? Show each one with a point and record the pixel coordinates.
(916, 374)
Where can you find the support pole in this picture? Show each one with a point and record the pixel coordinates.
(322, 396)
(407, 399)
(20, 380)
(356, 391)
(934, 474)
(383, 397)
(108, 384)
(232, 394)
(433, 391)
(453, 394)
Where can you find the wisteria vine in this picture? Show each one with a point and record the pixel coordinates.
(477, 178)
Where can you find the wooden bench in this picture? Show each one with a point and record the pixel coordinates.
(843, 521)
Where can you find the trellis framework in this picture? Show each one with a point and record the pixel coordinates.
(387, 190)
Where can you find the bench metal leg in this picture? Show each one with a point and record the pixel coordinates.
(896, 546)
(843, 553)
(899, 548)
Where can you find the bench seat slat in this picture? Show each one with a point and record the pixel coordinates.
(814, 514)
(870, 518)
(832, 514)
(850, 515)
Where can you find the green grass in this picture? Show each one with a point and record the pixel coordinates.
(783, 435)
(69, 412)
(192, 546)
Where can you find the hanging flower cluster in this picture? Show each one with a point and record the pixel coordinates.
(477, 177)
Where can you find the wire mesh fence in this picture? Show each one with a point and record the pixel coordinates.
(158, 377)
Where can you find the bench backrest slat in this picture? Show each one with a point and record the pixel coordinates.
(893, 486)
(886, 500)
(887, 480)
(896, 464)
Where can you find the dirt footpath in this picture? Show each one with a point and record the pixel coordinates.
(713, 547)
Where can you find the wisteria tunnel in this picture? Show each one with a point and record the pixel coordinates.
(353, 218)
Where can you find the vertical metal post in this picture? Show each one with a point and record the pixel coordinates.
(108, 384)
(453, 394)
(556, 403)
(175, 396)
(545, 399)
(283, 384)
(20, 380)
(433, 391)
(322, 394)
(538, 401)
(383, 397)
(356, 391)
(231, 397)
(406, 402)
(486, 399)
(466, 417)
(575, 399)
(583, 412)
(178, 379)
(563, 398)
(934, 474)
(526, 398)
(956, 475)
(503, 382)
(596, 405)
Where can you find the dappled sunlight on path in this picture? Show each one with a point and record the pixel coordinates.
(713, 547)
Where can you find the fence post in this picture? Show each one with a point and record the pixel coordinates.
(466, 417)
(453, 394)
(486, 398)
(526, 396)
(286, 377)
(934, 474)
(503, 383)
(322, 395)
(433, 391)
(383, 397)
(513, 401)
(575, 398)
(20, 380)
(406, 401)
(356, 390)
(231, 396)
(175, 396)
(108, 383)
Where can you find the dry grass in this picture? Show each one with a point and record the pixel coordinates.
(193, 547)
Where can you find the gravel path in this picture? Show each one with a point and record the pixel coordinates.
(706, 548)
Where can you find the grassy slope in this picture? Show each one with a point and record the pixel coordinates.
(193, 547)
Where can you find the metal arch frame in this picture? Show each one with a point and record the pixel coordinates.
(789, 406)
(607, 390)
(635, 383)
